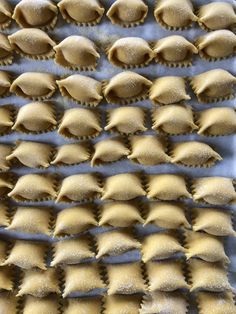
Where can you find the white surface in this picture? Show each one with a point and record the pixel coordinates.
(104, 33)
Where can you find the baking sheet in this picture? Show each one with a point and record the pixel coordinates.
(103, 34)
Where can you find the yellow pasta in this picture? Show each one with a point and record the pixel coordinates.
(27, 255)
(5, 83)
(34, 85)
(83, 89)
(45, 305)
(116, 304)
(109, 150)
(76, 52)
(35, 117)
(82, 13)
(154, 155)
(22, 154)
(8, 303)
(174, 51)
(7, 277)
(6, 184)
(214, 190)
(71, 251)
(126, 120)
(32, 43)
(79, 187)
(119, 214)
(5, 150)
(39, 283)
(168, 246)
(123, 187)
(127, 13)
(217, 302)
(30, 13)
(130, 52)
(126, 87)
(83, 305)
(74, 220)
(80, 123)
(125, 279)
(115, 243)
(6, 119)
(214, 85)
(6, 53)
(216, 15)
(82, 278)
(5, 15)
(174, 15)
(173, 119)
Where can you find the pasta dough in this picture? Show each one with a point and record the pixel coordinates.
(41, 305)
(125, 279)
(80, 123)
(6, 53)
(168, 90)
(194, 154)
(4, 218)
(74, 220)
(119, 214)
(123, 187)
(166, 215)
(72, 251)
(174, 15)
(83, 89)
(214, 85)
(83, 305)
(148, 150)
(81, 12)
(71, 154)
(214, 221)
(130, 52)
(126, 120)
(168, 246)
(216, 15)
(126, 87)
(219, 303)
(5, 83)
(4, 247)
(174, 51)
(5, 150)
(109, 150)
(214, 190)
(82, 278)
(217, 121)
(35, 117)
(127, 13)
(6, 184)
(39, 283)
(8, 303)
(115, 243)
(32, 43)
(116, 304)
(7, 275)
(167, 187)
(166, 276)
(204, 246)
(34, 85)
(160, 302)
(217, 45)
(27, 255)
(34, 187)
(79, 187)
(76, 52)
(5, 19)
(33, 220)
(208, 276)
(173, 119)
(30, 13)
(6, 119)
(22, 153)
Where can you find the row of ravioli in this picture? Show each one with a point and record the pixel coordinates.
(169, 13)
(189, 153)
(80, 53)
(35, 187)
(125, 87)
(81, 123)
(154, 303)
(85, 218)
(162, 271)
